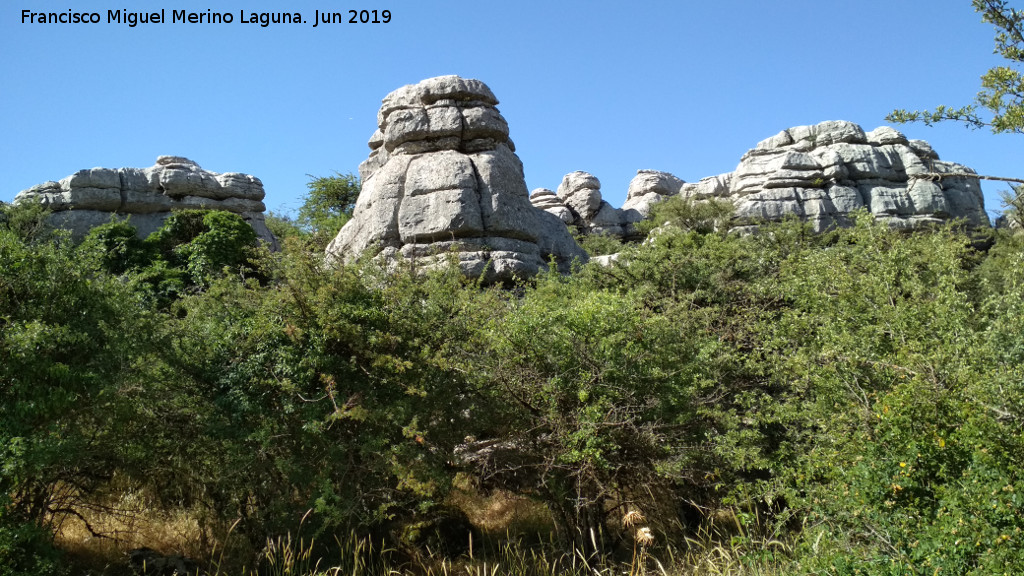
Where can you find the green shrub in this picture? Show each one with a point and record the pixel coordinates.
(599, 244)
(27, 550)
(701, 216)
(204, 243)
(116, 246)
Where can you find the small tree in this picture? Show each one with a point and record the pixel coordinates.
(328, 204)
(1002, 91)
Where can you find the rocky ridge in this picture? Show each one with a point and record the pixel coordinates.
(822, 173)
(818, 173)
(443, 177)
(147, 196)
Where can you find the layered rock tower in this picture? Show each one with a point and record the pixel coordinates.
(443, 177)
(147, 196)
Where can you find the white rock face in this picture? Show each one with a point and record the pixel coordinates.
(442, 176)
(147, 196)
(821, 173)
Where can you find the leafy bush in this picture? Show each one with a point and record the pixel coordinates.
(68, 333)
(327, 206)
(27, 220)
(204, 243)
(701, 216)
(599, 244)
(116, 246)
(27, 550)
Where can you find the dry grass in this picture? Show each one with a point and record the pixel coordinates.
(103, 531)
(518, 541)
(502, 513)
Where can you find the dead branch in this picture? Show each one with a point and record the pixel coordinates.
(937, 176)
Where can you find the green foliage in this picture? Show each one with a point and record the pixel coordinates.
(596, 393)
(331, 390)
(880, 346)
(703, 216)
(1013, 207)
(67, 334)
(1002, 93)
(116, 246)
(27, 220)
(283, 226)
(204, 243)
(327, 206)
(27, 550)
(599, 244)
(857, 394)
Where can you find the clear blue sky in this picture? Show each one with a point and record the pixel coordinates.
(607, 87)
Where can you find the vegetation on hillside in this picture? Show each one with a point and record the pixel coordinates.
(787, 402)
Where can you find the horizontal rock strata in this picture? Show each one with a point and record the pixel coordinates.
(442, 179)
(824, 172)
(147, 196)
(819, 174)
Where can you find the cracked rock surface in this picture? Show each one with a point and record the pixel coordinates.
(443, 177)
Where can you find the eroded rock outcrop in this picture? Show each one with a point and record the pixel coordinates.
(578, 202)
(549, 202)
(443, 176)
(818, 173)
(824, 172)
(147, 196)
(646, 189)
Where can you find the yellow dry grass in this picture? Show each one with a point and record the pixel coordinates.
(501, 512)
(107, 529)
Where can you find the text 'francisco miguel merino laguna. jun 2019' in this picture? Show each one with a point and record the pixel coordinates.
(164, 16)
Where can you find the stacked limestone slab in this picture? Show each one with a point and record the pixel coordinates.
(824, 172)
(443, 179)
(147, 196)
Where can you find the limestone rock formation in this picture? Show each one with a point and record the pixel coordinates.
(817, 173)
(646, 189)
(579, 203)
(581, 193)
(443, 176)
(147, 196)
(824, 172)
(549, 202)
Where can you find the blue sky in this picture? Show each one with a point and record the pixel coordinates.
(607, 87)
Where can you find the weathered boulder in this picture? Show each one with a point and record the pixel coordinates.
(821, 173)
(443, 176)
(581, 193)
(646, 189)
(579, 203)
(147, 196)
(549, 202)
